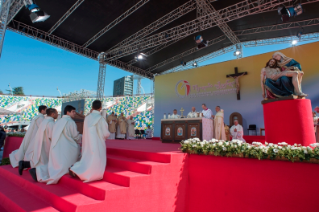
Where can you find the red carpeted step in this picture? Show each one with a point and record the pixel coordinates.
(120, 176)
(95, 190)
(14, 198)
(61, 197)
(148, 156)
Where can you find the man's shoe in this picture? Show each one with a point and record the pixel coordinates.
(23, 165)
(33, 174)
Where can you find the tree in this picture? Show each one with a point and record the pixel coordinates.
(17, 91)
(1, 92)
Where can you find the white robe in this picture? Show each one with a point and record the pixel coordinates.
(91, 167)
(192, 114)
(118, 132)
(219, 131)
(22, 153)
(64, 150)
(315, 122)
(239, 134)
(149, 133)
(173, 116)
(42, 144)
(130, 129)
(207, 113)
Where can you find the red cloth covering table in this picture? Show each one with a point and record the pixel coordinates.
(11, 144)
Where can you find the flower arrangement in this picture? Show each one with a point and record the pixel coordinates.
(237, 148)
(16, 134)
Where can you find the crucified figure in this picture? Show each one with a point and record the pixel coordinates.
(237, 81)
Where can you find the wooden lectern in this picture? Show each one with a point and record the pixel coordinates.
(79, 121)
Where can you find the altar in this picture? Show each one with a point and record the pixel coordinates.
(176, 130)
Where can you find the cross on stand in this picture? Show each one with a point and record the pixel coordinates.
(236, 76)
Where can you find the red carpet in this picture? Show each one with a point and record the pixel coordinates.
(141, 175)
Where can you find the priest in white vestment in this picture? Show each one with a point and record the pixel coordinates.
(193, 113)
(91, 167)
(111, 121)
(207, 113)
(175, 115)
(237, 131)
(130, 128)
(21, 154)
(42, 143)
(65, 149)
(219, 125)
(148, 132)
(121, 127)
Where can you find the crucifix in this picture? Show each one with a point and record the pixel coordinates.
(236, 76)
(182, 110)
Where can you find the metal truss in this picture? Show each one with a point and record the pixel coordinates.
(290, 25)
(101, 77)
(16, 6)
(184, 54)
(280, 40)
(78, 95)
(115, 22)
(201, 59)
(65, 16)
(230, 13)
(53, 40)
(4, 12)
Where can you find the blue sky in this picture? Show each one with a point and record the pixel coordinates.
(40, 68)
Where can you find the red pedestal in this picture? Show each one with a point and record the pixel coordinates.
(11, 144)
(289, 121)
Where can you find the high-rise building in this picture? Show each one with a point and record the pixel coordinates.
(123, 86)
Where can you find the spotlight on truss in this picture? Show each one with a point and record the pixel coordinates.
(195, 64)
(294, 42)
(37, 15)
(299, 33)
(140, 56)
(287, 12)
(201, 43)
(183, 63)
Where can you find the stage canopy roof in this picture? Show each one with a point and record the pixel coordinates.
(163, 30)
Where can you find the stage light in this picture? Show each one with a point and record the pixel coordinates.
(195, 64)
(294, 42)
(299, 33)
(140, 56)
(201, 43)
(288, 12)
(37, 15)
(237, 52)
(183, 63)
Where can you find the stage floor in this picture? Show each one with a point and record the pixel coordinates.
(145, 145)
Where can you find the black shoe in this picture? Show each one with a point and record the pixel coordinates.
(23, 165)
(33, 174)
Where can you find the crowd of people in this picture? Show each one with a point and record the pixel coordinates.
(221, 131)
(54, 148)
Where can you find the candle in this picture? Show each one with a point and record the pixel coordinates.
(164, 115)
(200, 115)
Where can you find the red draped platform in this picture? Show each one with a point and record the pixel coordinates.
(147, 175)
(290, 121)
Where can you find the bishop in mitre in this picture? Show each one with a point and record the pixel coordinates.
(121, 127)
(237, 131)
(192, 114)
(111, 120)
(65, 149)
(91, 167)
(17, 157)
(130, 128)
(42, 146)
(219, 129)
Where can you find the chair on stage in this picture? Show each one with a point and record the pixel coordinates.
(252, 127)
(137, 134)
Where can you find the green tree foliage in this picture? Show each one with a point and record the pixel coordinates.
(17, 91)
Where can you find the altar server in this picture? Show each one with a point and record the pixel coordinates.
(121, 127)
(219, 124)
(207, 113)
(42, 145)
(149, 132)
(130, 128)
(111, 120)
(193, 113)
(237, 131)
(21, 154)
(65, 149)
(91, 167)
(175, 115)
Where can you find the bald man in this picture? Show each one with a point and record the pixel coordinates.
(193, 113)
